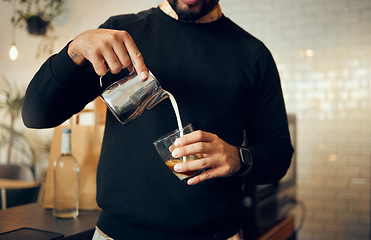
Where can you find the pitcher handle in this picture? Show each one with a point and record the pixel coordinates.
(100, 78)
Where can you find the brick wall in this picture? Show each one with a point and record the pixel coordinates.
(323, 52)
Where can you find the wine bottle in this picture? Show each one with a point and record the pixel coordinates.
(66, 181)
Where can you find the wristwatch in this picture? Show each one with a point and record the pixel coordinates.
(246, 161)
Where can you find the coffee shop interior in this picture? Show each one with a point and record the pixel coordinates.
(322, 49)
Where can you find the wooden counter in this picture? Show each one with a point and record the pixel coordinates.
(283, 230)
(35, 216)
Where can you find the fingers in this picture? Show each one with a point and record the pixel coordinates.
(198, 165)
(219, 158)
(197, 138)
(117, 56)
(194, 165)
(193, 149)
(99, 64)
(197, 142)
(209, 174)
(213, 170)
(135, 55)
(111, 49)
(122, 52)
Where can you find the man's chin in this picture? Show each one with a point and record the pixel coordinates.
(191, 10)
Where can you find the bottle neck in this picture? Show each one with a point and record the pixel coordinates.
(66, 143)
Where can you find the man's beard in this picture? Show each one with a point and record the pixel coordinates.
(189, 15)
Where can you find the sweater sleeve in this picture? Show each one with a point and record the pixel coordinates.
(268, 137)
(58, 90)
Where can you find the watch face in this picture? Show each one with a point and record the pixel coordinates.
(245, 156)
(246, 161)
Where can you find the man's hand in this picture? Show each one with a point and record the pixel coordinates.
(105, 49)
(220, 159)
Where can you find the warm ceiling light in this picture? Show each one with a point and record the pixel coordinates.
(13, 52)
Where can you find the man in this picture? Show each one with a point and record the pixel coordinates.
(226, 84)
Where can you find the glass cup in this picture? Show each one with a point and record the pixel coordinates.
(162, 146)
(130, 96)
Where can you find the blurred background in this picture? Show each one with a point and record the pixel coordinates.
(323, 52)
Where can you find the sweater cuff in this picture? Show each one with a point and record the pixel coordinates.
(63, 68)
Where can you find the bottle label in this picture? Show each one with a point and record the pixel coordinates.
(66, 141)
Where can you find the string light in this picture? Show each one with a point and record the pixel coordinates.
(13, 52)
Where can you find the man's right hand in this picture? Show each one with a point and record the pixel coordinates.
(105, 49)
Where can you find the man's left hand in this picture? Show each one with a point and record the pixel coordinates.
(219, 159)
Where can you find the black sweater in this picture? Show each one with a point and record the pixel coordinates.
(225, 82)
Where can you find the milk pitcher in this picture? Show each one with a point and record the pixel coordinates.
(130, 96)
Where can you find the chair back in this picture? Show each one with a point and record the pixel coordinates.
(12, 197)
(17, 172)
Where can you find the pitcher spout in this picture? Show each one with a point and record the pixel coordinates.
(157, 97)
